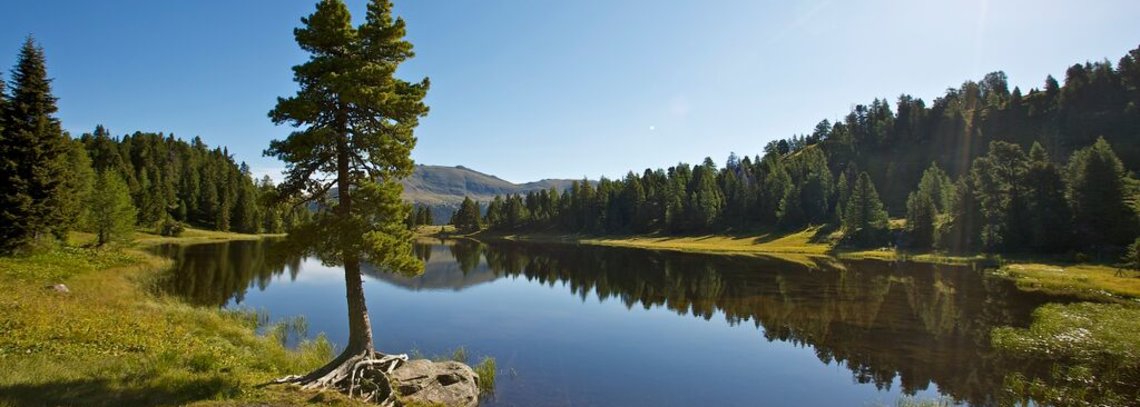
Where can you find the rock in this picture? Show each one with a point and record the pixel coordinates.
(59, 288)
(427, 382)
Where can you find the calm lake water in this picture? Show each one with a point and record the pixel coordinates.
(577, 325)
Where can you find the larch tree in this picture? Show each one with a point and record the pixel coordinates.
(1097, 192)
(865, 218)
(1050, 216)
(354, 125)
(33, 157)
(112, 213)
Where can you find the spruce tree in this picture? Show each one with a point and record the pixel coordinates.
(354, 125)
(33, 157)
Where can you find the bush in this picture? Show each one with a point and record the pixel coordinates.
(171, 228)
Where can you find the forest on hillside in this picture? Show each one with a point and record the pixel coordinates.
(53, 183)
(984, 167)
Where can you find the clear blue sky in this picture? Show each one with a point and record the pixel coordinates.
(559, 89)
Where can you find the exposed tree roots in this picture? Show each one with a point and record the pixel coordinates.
(363, 375)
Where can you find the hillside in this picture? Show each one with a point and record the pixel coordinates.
(443, 188)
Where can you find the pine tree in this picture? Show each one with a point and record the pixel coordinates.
(1097, 195)
(923, 206)
(961, 231)
(355, 123)
(113, 215)
(999, 179)
(843, 192)
(495, 217)
(245, 213)
(33, 166)
(1049, 213)
(466, 219)
(865, 219)
(920, 215)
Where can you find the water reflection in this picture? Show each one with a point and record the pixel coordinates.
(914, 324)
(216, 274)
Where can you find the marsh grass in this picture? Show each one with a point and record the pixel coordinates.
(111, 341)
(486, 371)
(1091, 281)
(1089, 351)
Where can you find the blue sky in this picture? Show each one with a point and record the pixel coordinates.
(559, 89)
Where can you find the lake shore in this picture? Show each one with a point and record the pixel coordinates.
(1088, 281)
(112, 340)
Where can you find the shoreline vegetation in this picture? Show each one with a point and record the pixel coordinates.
(1053, 275)
(111, 340)
(1088, 336)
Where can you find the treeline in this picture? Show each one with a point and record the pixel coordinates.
(171, 180)
(957, 170)
(51, 183)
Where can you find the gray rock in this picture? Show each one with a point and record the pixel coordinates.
(447, 383)
(59, 288)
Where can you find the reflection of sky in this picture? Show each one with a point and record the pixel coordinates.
(553, 348)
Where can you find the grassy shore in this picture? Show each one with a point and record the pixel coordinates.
(112, 341)
(1091, 281)
(1088, 281)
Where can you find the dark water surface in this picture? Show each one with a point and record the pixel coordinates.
(581, 326)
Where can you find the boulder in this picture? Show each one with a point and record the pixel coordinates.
(446, 383)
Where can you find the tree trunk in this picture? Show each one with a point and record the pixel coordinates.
(359, 346)
(359, 326)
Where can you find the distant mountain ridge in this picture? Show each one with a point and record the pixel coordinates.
(442, 188)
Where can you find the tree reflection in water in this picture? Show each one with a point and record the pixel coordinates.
(922, 324)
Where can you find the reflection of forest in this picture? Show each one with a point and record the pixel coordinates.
(920, 323)
(212, 274)
(443, 270)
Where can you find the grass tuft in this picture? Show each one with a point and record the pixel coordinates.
(486, 371)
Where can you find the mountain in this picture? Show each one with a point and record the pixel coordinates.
(443, 188)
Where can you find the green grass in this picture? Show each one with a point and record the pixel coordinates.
(1089, 281)
(486, 371)
(805, 246)
(1089, 353)
(811, 245)
(192, 236)
(110, 341)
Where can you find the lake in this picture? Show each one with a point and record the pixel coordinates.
(576, 325)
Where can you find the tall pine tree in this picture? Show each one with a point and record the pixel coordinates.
(355, 123)
(1098, 196)
(865, 219)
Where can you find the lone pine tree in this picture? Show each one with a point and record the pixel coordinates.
(354, 125)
